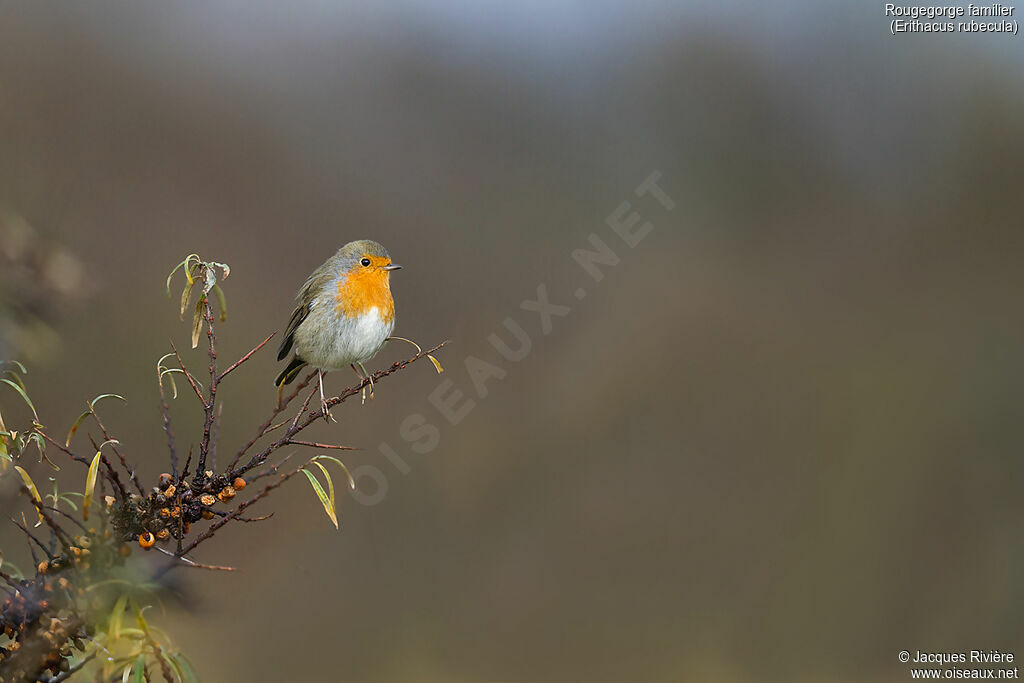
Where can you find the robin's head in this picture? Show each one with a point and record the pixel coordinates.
(366, 268)
(367, 259)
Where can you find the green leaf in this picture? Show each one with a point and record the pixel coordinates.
(197, 322)
(322, 495)
(351, 480)
(221, 301)
(184, 264)
(31, 486)
(330, 487)
(90, 484)
(75, 426)
(116, 618)
(182, 667)
(23, 395)
(16, 378)
(92, 403)
(20, 366)
(186, 294)
(140, 669)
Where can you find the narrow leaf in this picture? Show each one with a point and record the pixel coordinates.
(92, 403)
(322, 495)
(16, 378)
(197, 322)
(437, 365)
(186, 294)
(330, 485)
(116, 617)
(75, 426)
(182, 666)
(20, 366)
(23, 395)
(222, 302)
(90, 484)
(351, 480)
(31, 486)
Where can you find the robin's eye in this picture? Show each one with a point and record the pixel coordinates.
(365, 262)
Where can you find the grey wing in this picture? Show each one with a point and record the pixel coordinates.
(298, 316)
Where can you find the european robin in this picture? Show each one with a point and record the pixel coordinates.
(344, 316)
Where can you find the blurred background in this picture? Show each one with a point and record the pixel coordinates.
(778, 441)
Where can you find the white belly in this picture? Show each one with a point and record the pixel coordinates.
(340, 341)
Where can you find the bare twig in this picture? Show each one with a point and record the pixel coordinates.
(311, 444)
(246, 356)
(65, 675)
(188, 375)
(271, 470)
(265, 427)
(39, 543)
(111, 472)
(62, 535)
(118, 453)
(165, 413)
(299, 424)
(204, 446)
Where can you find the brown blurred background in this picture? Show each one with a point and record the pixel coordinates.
(779, 441)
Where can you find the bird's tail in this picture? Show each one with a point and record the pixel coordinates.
(289, 373)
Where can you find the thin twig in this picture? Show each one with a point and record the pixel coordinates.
(165, 413)
(272, 469)
(311, 444)
(118, 453)
(65, 675)
(245, 357)
(214, 435)
(113, 476)
(188, 376)
(189, 562)
(204, 446)
(72, 519)
(265, 427)
(298, 425)
(39, 543)
(62, 535)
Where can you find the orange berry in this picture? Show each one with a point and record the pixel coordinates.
(146, 540)
(238, 483)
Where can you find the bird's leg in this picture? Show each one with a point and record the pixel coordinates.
(323, 401)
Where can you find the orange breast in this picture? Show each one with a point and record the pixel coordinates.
(363, 289)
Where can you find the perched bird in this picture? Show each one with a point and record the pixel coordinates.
(344, 316)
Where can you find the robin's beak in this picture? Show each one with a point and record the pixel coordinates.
(392, 266)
